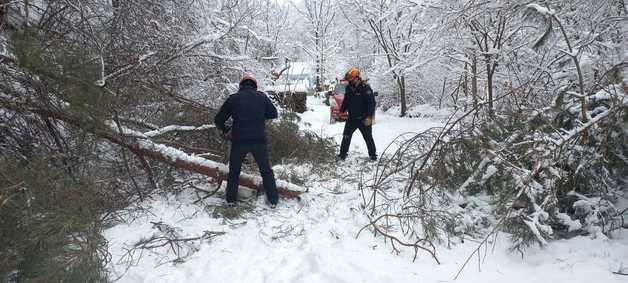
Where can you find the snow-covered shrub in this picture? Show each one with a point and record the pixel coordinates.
(534, 172)
(286, 143)
(544, 183)
(593, 215)
(474, 216)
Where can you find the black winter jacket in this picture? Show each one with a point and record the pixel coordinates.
(359, 101)
(249, 109)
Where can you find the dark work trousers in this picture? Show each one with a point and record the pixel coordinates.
(260, 153)
(367, 133)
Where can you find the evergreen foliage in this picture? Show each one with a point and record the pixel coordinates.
(50, 224)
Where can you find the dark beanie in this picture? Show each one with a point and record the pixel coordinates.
(248, 83)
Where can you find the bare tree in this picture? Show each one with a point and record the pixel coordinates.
(320, 15)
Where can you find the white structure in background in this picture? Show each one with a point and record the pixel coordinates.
(298, 78)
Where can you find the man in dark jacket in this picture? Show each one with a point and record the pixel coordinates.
(249, 109)
(359, 101)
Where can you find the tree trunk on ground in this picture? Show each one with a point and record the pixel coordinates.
(181, 160)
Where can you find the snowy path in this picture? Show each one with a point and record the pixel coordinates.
(314, 240)
(386, 128)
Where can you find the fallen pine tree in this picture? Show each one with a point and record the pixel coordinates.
(141, 145)
(184, 161)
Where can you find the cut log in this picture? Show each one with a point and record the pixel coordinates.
(184, 161)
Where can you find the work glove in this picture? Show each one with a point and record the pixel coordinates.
(368, 121)
(340, 115)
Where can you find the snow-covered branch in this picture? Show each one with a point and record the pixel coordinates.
(176, 128)
(547, 12)
(126, 68)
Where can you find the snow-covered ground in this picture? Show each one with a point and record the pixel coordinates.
(314, 240)
(386, 129)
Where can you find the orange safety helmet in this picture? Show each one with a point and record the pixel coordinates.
(352, 73)
(248, 77)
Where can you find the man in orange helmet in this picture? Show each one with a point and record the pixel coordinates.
(249, 109)
(359, 102)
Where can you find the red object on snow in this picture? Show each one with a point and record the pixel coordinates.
(335, 104)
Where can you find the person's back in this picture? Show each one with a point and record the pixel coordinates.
(249, 110)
